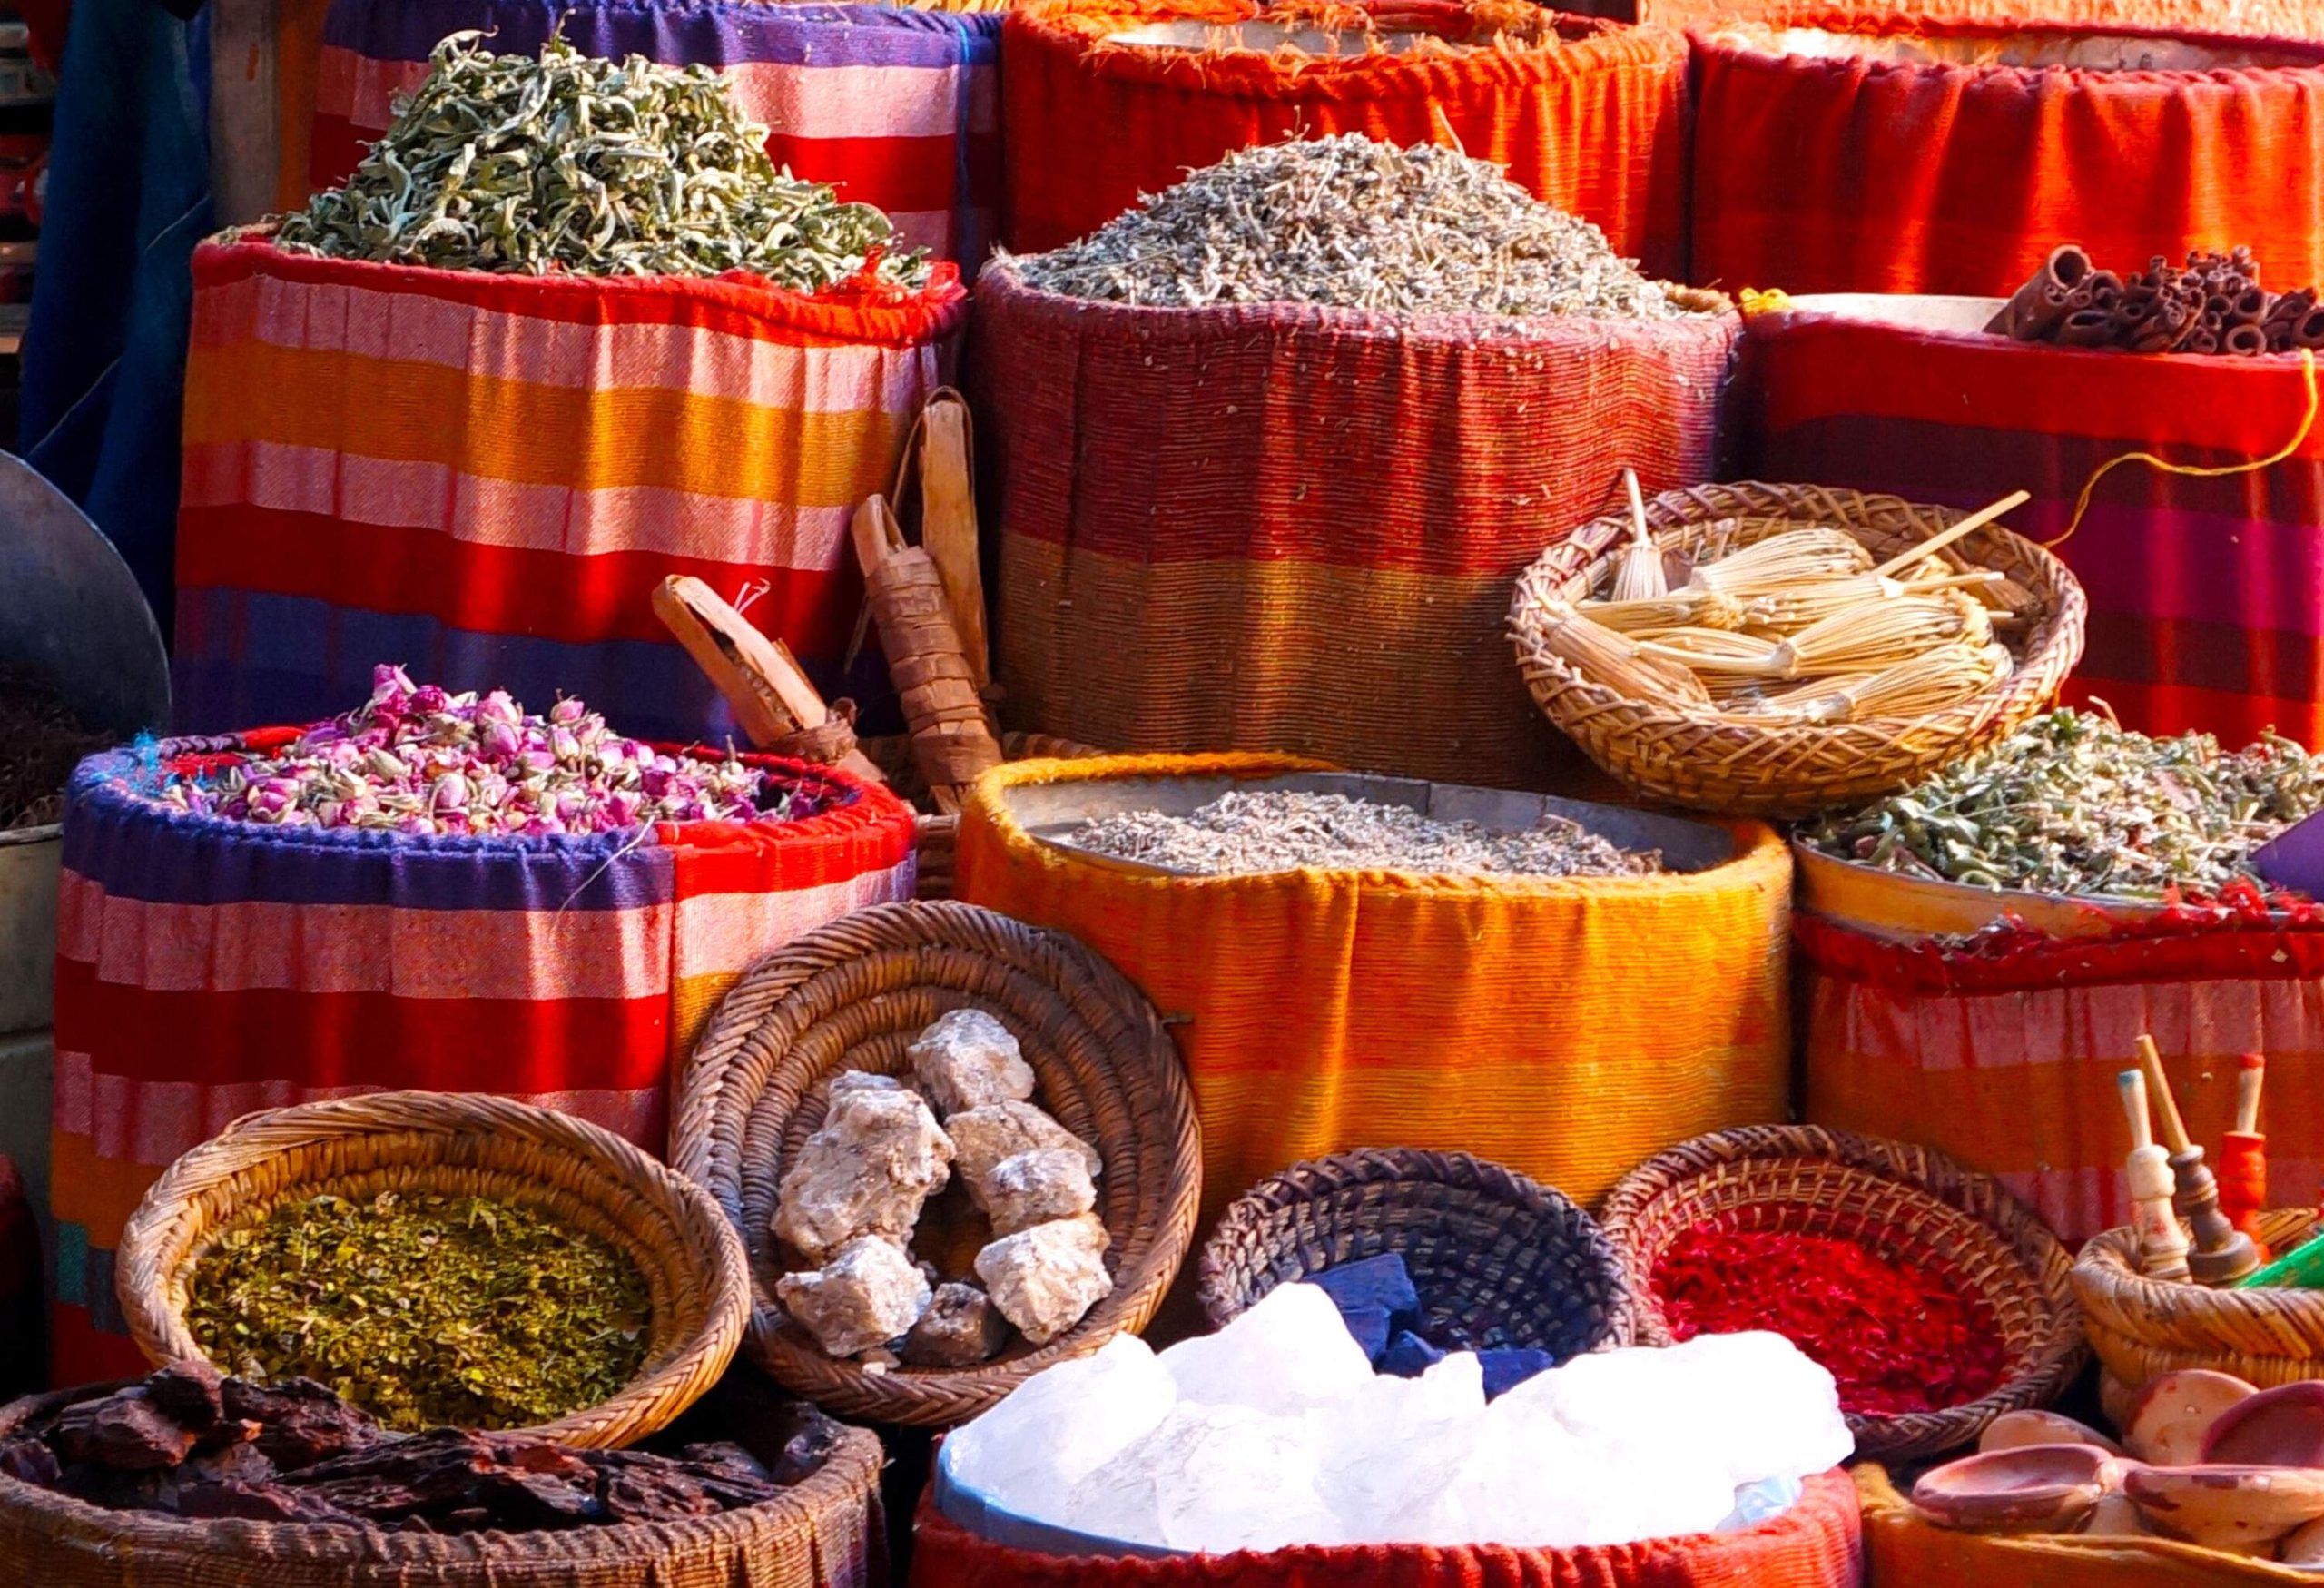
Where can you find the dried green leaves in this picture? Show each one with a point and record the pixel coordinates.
(1353, 224)
(571, 164)
(425, 1310)
(2071, 803)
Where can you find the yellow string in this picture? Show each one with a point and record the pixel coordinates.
(1762, 302)
(2308, 423)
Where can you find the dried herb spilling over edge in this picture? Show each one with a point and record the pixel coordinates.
(426, 1310)
(568, 162)
(41, 742)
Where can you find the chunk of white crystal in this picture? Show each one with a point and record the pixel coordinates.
(1060, 1425)
(1211, 1478)
(878, 1157)
(1387, 1456)
(967, 1059)
(983, 1138)
(1766, 1403)
(1043, 1279)
(1288, 1352)
(1033, 1188)
(867, 1295)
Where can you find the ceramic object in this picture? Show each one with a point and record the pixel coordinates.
(2015, 1430)
(2033, 1488)
(2243, 1510)
(2303, 1547)
(2166, 1422)
(2283, 1427)
(2115, 1516)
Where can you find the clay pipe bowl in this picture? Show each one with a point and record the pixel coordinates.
(2173, 1413)
(2240, 1509)
(2283, 1427)
(2031, 1488)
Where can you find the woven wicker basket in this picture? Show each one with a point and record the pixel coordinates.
(1497, 1260)
(2141, 1327)
(1705, 762)
(469, 1146)
(938, 832)
(853, 996)
(1901, 1202)
(825, 1532)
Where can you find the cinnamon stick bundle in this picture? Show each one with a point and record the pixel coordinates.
(951, 742)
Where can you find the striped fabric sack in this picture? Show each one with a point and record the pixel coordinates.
(208, 968)
(484, 479)
(895, 108)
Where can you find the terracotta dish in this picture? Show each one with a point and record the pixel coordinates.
(2033, 1488)
(2165, 1425)
(2240, 1509)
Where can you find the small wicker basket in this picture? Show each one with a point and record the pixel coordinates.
(1497, 1259)
(939, 833)
(2141, 1327)
(1704, 761)
(467, 1145)
(1900, 1201)
(854, 995)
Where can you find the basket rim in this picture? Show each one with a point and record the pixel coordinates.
(2104, 1268)
(2037, 1373)
(852, 1467)
(706, 1143)
(170, 1228)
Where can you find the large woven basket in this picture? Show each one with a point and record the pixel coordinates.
(1901, 1202)
(466, 1145)
(825, 1532)
(1705, 762)
(1497, 1259)
(2141, 1327)
(938, 833)
(853, 996)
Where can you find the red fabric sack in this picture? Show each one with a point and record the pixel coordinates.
(1956, 163)
(1818, 1543)
(2274, 18)
(1590, 116)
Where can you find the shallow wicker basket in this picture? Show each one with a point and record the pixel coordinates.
(1703, 761)
(823, 1531)
(2141, 1327)
(466, 1145)
(1901, 1202)
(939, 833)
(1497, 1260)
(853, 995)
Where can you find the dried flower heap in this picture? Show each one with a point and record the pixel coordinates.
(419, 760)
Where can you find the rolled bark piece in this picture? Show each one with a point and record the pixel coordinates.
(778, 710)
(948, 521)
(2246, 339)
(951, 742)
(2087, 328)
(2037, 307)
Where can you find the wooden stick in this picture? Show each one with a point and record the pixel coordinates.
(2162, 1245)
(1637, 506)
(1974, 521)
(764, 685)
(948, 522)
(2166, 1106)
(2247, 1081)
(2132, 1085)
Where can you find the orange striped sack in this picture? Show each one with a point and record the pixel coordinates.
(1568, 1028)
(484, 477)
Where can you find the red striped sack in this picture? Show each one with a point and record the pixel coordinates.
(208, 968)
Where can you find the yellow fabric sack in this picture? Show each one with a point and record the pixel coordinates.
(1567, 1028)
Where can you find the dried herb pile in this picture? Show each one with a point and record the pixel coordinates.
(185, 1443)
(2071, 803)
(1271, 830)
(41, 741)
(1353, 224)
(567, 162)
(426, 1310)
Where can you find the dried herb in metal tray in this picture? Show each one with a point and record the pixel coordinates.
(426, 1310)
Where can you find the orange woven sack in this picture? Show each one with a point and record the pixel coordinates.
(1837, 152)
(2273, 18)
(1107, 99)
(1567, 1028)
(1818, 1543)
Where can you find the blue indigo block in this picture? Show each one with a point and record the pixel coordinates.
(1408, 1355)
(1371, 1326)
(1507, 1367)
(1381, 1282)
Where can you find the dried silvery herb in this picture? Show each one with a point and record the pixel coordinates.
(566, 162)
(2071, 803)
(425, 1310)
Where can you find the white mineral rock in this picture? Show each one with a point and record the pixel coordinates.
(866, 1296)
(1034, 1188)
(879, 1156)
(1044, 1278)
(967, 1059)
(983, 1138)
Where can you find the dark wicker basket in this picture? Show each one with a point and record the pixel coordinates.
(1497, 1260)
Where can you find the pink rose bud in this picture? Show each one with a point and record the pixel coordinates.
(450, 793)
(564, 745)
(567, 711)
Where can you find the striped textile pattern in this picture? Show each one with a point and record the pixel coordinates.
(484, 477)
(206, 968)
(895, 108)
(2206, 595)
(1567, 1028)
(1337, 507)
(2006, 1061)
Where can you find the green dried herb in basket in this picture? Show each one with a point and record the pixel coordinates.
(426, 1310)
